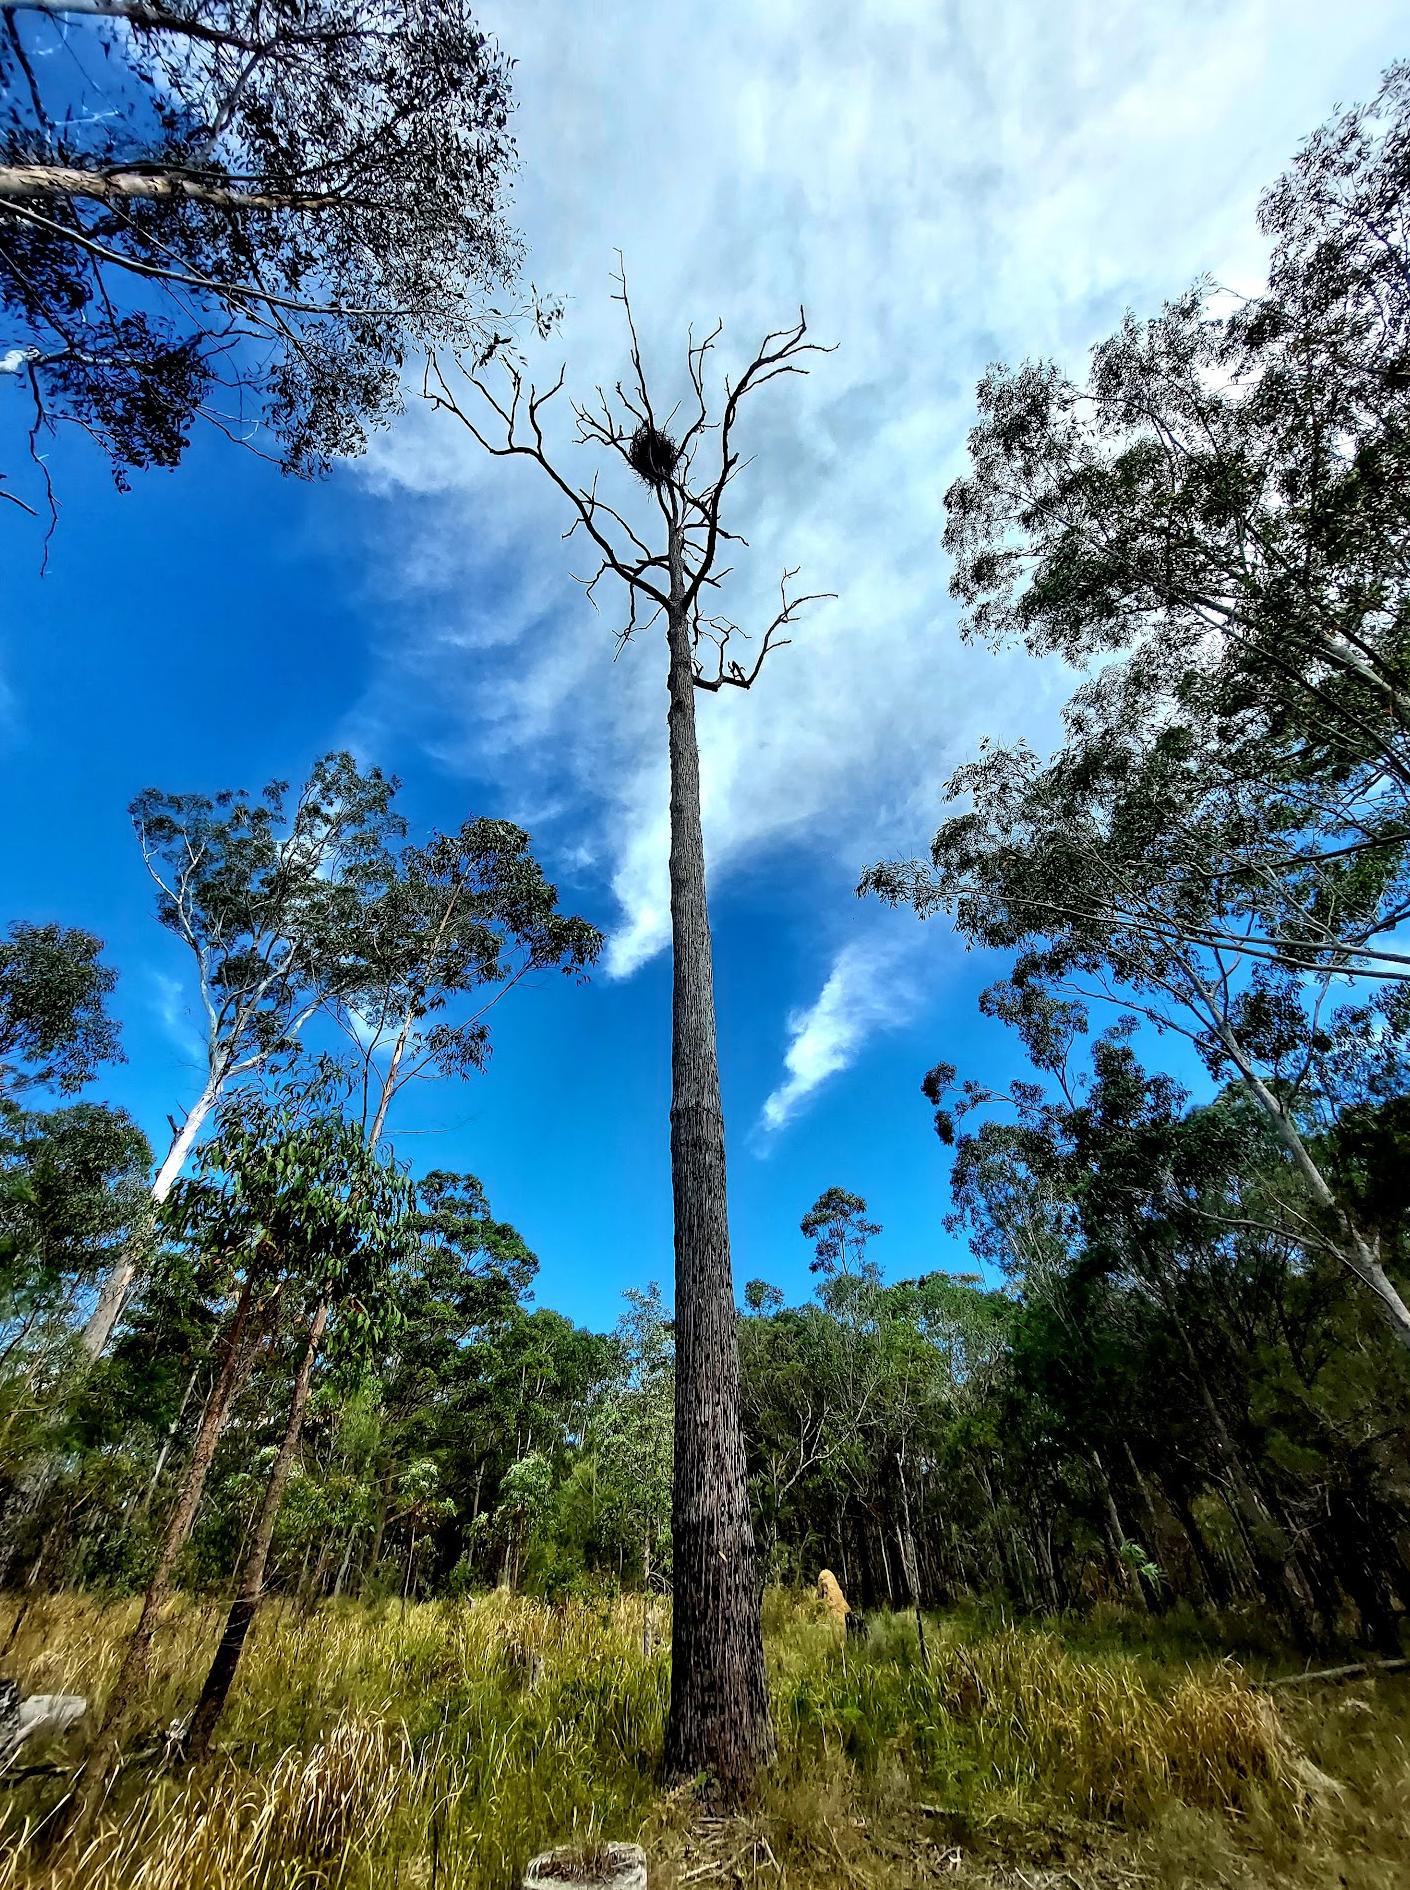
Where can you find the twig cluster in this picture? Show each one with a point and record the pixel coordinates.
(668, 453)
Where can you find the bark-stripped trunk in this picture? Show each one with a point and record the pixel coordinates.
(115, 1288)
(132, 1675)
(719, 1717)
(248, 1595)
(885, 1567)
(389, 1081)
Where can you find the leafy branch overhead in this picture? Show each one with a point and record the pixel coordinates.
(1216, 526)
(248, 218)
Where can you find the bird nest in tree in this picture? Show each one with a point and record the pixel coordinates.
(652, 455)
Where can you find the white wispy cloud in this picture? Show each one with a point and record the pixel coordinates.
(871, 984)
(940, 186)
(172, 1006)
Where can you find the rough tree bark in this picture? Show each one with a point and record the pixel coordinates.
(132, 1675)
(719, 1718)
(249, 1593)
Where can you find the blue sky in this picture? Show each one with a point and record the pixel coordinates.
(942, 185)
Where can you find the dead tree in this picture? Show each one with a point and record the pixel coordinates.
(672, 569)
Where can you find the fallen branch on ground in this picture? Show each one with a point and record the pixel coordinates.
(1338, 1673)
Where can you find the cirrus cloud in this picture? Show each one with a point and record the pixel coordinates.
(940, 186)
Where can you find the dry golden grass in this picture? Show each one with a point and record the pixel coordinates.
(438, 1747)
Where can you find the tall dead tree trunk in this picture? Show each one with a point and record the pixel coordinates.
(719, 1709)
(719, 1719)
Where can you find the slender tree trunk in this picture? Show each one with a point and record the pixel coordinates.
(301, 1585)
(345, 1564)
(719, 1714)
(389, 1081)
(136, 1661)
(319, 1578)
(379, 1533)
(1043, 1536)
(1359, 1254)
(907, 1540)
(1156, 1587)
(475, 1508)
(167, 1442)
(1264, 1542)
(1126, 1576)
(1213, 1576)
(1143, 1496)
(116, 1287)
(885, 1567)
(248, 1595)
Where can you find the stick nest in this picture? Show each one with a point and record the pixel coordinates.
(652, 455)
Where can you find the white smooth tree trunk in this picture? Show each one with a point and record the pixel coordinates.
(118, 1284)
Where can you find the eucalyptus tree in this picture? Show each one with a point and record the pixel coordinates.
(271, 897)
(457, 1294)
(74, 1188)
(1223, 840)
(632, 1437)
(351, 1225)
(838, 1227)
(801, 1427)
(54, 1023)
(1069, 866)
(671, 564)
(288, 1211)
(73, 1198)
(850, 1289)
(1176, 1253)
(1228, 498)
(1226, 503)
(244, 214)
(459, 923)
(888, 1377)
(67, 1176)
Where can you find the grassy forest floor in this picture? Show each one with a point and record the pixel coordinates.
(439, 1746)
